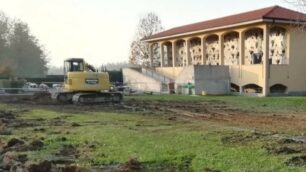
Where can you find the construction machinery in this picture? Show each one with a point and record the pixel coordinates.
(85, 85)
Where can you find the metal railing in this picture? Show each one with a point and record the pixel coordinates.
(153, 74)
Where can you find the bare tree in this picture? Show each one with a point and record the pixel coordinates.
(300, 4)
(148, 25)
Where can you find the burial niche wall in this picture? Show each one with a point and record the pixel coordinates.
(156, 55)
(181, 53)
(212, 50)
(254, 46)
(231, 48)
(196, 51)
(167, 48)
(278, 46)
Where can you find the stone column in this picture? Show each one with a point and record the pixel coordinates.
(151, 54)
(173, 53)
(203, 50)
(161, 45)
(221, 49)
(187, 52)
(266, 65)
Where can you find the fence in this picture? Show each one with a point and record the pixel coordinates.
(163, 88)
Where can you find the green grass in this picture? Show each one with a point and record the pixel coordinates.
(157, 141)
(259, 104)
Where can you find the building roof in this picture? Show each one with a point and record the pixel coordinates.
(274, 13)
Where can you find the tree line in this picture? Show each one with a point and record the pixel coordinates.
(21, 54)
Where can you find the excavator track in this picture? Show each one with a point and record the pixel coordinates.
(62, 97)
(95, 98)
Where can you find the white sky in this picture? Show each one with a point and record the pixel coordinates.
(101, 30)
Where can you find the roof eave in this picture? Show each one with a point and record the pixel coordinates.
(269, 20)
(285, 21)
(204, 30)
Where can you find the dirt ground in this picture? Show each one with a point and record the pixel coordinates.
(283, 127)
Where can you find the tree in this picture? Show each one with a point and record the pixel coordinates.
(148, 25)
(25, 50)
(21, 54)
(55, 70)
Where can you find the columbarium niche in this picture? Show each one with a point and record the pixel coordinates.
(252, 88)
(155, 55)
(181, 56)
(231, 48)
(278, 89)
(254, 46)
(235, 88)
(167, 48)
(212, 50)
(196, 51)
(278, 46)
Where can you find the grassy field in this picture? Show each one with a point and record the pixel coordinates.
(160, 141)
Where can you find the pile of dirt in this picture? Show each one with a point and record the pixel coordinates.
(243, 138)
(12, 158)
(68, 150)
(286, 145)
(211, 170)
(283, 149)
(36, 145)
(7, 114)
(297, 161)
(9, 120)
(132, 165)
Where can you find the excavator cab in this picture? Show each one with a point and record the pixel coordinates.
(74, 65)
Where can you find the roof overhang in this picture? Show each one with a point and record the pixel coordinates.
(266, 20)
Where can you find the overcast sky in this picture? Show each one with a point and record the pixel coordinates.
(101, 30)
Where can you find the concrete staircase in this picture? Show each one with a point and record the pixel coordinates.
(147, 80)
(153, 74)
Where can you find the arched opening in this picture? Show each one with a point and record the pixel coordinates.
(231, 48)
(253, 46)
(252, 88)
(278, 89)
(212, 50)
(181, 53)
(167, 48)
(196, 51)
(235, 88)
(278, 46)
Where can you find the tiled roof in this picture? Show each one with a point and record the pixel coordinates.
(274, 12)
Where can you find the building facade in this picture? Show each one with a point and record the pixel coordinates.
(264, 49)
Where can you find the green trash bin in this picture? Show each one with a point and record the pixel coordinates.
(189, 86)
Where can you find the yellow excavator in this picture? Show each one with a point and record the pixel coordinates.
(85, 85)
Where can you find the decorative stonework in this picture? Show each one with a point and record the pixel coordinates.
(168, 54)
(231, 48)
(278, 46)
(212, 50)
(156, 55)
(181, 53)
(196, 51)
(254, 46)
